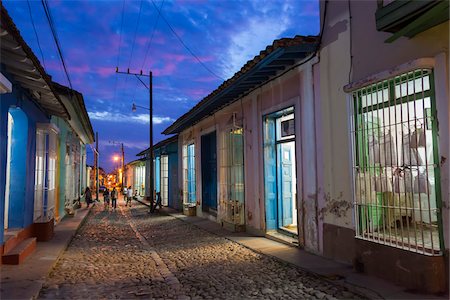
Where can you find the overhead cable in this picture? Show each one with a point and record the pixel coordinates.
(36, 34)
(184, 44)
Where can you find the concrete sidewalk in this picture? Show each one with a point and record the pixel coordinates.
(341, 274)
(24, 281)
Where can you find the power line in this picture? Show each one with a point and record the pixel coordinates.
(148, 44)
(184, 44)
(35, 33)
(135, 33)
(153, 33)
(120, 46)
(55, 37)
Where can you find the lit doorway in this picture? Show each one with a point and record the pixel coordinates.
(280, 173)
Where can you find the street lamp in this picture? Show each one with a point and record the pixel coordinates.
(150, 90)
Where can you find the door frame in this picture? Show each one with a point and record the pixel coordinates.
(275, 115)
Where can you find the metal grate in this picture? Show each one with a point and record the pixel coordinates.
(232, 176)
(189, 189)
(396, 171)
(165, 180)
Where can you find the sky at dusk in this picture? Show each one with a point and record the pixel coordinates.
(94, 38)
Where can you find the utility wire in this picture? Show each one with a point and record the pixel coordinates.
(55, 37)
(120, 46)
(135, 33)
(153, 33)
(36, 34)
(148, 44)
(184, 44)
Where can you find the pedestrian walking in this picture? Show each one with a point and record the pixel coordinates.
(129, 196)
(88, 196)
(106, 199)
(114, 198)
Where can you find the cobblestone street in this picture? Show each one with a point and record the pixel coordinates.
(129, 254)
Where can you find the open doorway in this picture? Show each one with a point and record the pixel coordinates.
(280, 173)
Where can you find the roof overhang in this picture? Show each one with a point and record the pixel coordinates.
(408, 18)
(160, 144)
(20, 61)
(80, 121)
(276, 59)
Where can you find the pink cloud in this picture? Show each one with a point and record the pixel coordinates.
(105, 71)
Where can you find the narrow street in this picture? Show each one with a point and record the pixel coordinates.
(128, 254)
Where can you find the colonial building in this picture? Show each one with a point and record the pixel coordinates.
(383, 201)
(42, 147)
(337, 143)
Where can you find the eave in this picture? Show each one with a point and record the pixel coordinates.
(274, 60)
(408, 18)
(21, 63)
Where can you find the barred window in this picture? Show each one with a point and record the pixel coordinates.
(189, 189)
(232, 176)
(396, 170)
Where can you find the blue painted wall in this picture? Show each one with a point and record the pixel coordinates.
(23, 178)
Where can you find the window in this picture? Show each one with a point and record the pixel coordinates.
(165, 180)
(396, 164)
(45, 175)
(39, 178)
(189, 190)
(232, 176)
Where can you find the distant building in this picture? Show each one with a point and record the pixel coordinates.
(165, 166)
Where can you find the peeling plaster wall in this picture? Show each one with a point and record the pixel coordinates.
(336, 197)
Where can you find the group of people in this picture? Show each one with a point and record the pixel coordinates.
(107, 196)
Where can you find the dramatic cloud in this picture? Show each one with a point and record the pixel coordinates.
(107, 116)
(222, 34)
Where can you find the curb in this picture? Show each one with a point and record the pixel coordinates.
(60, 252)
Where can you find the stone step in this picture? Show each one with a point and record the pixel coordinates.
(18, 254)
(12, 239)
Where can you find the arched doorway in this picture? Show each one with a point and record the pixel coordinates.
(16, 168)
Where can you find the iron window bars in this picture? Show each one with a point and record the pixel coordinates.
(232, 176)
(396, 164)
(189, 189)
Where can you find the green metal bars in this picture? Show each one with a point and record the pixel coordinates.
(396, 163)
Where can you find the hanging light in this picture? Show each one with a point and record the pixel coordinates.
(133, 108)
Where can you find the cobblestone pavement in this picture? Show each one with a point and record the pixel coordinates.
(129, 254)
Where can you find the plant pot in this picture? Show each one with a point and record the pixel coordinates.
(190, 210)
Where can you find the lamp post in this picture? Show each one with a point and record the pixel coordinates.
(150, 89)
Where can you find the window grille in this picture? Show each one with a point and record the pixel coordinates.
(189, 188)
(164, 180)
(45, 175)
(232, 176)
(39, 179)
(139, 179)
(396, 170)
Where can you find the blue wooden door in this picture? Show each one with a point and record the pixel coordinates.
(285, 184)
(270, 176)
(209, 171)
